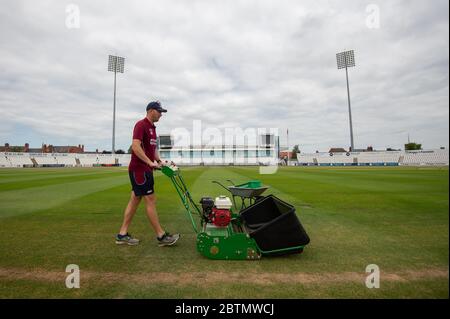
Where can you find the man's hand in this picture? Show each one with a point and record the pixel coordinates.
(166, 163)
(154, 165)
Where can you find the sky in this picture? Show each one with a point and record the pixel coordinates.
(229, 64)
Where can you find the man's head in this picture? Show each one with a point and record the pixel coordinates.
(154, 111)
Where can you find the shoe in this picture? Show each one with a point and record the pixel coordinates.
(126, 240)
(168, 239)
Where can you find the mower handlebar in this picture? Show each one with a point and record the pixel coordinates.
(229, 180)
(216, 182)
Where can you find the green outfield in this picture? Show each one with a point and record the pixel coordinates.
(396, 218)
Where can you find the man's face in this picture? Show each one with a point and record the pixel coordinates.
(155, 115)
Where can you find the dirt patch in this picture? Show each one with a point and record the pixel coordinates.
(207, 278)
(35, 274)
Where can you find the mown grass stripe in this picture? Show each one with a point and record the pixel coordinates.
(25, 201)
(38, 180)
(34, 177)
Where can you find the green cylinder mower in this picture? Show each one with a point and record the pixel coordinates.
(263, 226)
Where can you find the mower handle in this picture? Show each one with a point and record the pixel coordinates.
(229, 180)
(216, 182)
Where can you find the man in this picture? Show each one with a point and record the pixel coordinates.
(144, 159)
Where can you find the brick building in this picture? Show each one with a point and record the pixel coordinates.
(44, 149)
(62, 149)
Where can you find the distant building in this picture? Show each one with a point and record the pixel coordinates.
(62, 149)
(11, 148)
(44, 149)
(263, 150)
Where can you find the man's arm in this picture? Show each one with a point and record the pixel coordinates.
(157, 158)
(137, 149)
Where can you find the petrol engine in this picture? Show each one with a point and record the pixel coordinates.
(216, 212)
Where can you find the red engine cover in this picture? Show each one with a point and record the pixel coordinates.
(221, 217)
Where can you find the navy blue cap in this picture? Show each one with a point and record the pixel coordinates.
(155, 105)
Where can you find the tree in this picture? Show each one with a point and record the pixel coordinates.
(120, 152)
(413, 147)
(295, 150)
(129, 150)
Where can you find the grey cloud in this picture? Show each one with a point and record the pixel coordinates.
(245, 64)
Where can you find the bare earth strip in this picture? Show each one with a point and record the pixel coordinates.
(185, 279)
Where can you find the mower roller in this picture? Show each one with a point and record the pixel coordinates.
(267, 227)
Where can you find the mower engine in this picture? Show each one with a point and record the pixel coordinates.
(216, 212)
(221, 217)
(207, 206)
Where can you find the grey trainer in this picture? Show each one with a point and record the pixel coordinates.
(168, 239)
(126, 240)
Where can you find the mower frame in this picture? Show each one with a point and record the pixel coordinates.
(232, 242)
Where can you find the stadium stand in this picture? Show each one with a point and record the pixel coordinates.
(88, 160)
(10, 159)
(124, 159)
(335, 159)
(306, 159)
(375, 158)
(106, 159)
(68, 160)
(378, 158)
(433, 157)
(41, 159)
(19, 159)
(3, 161)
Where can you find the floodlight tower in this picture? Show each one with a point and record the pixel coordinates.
(346, 60)
(115, 64)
